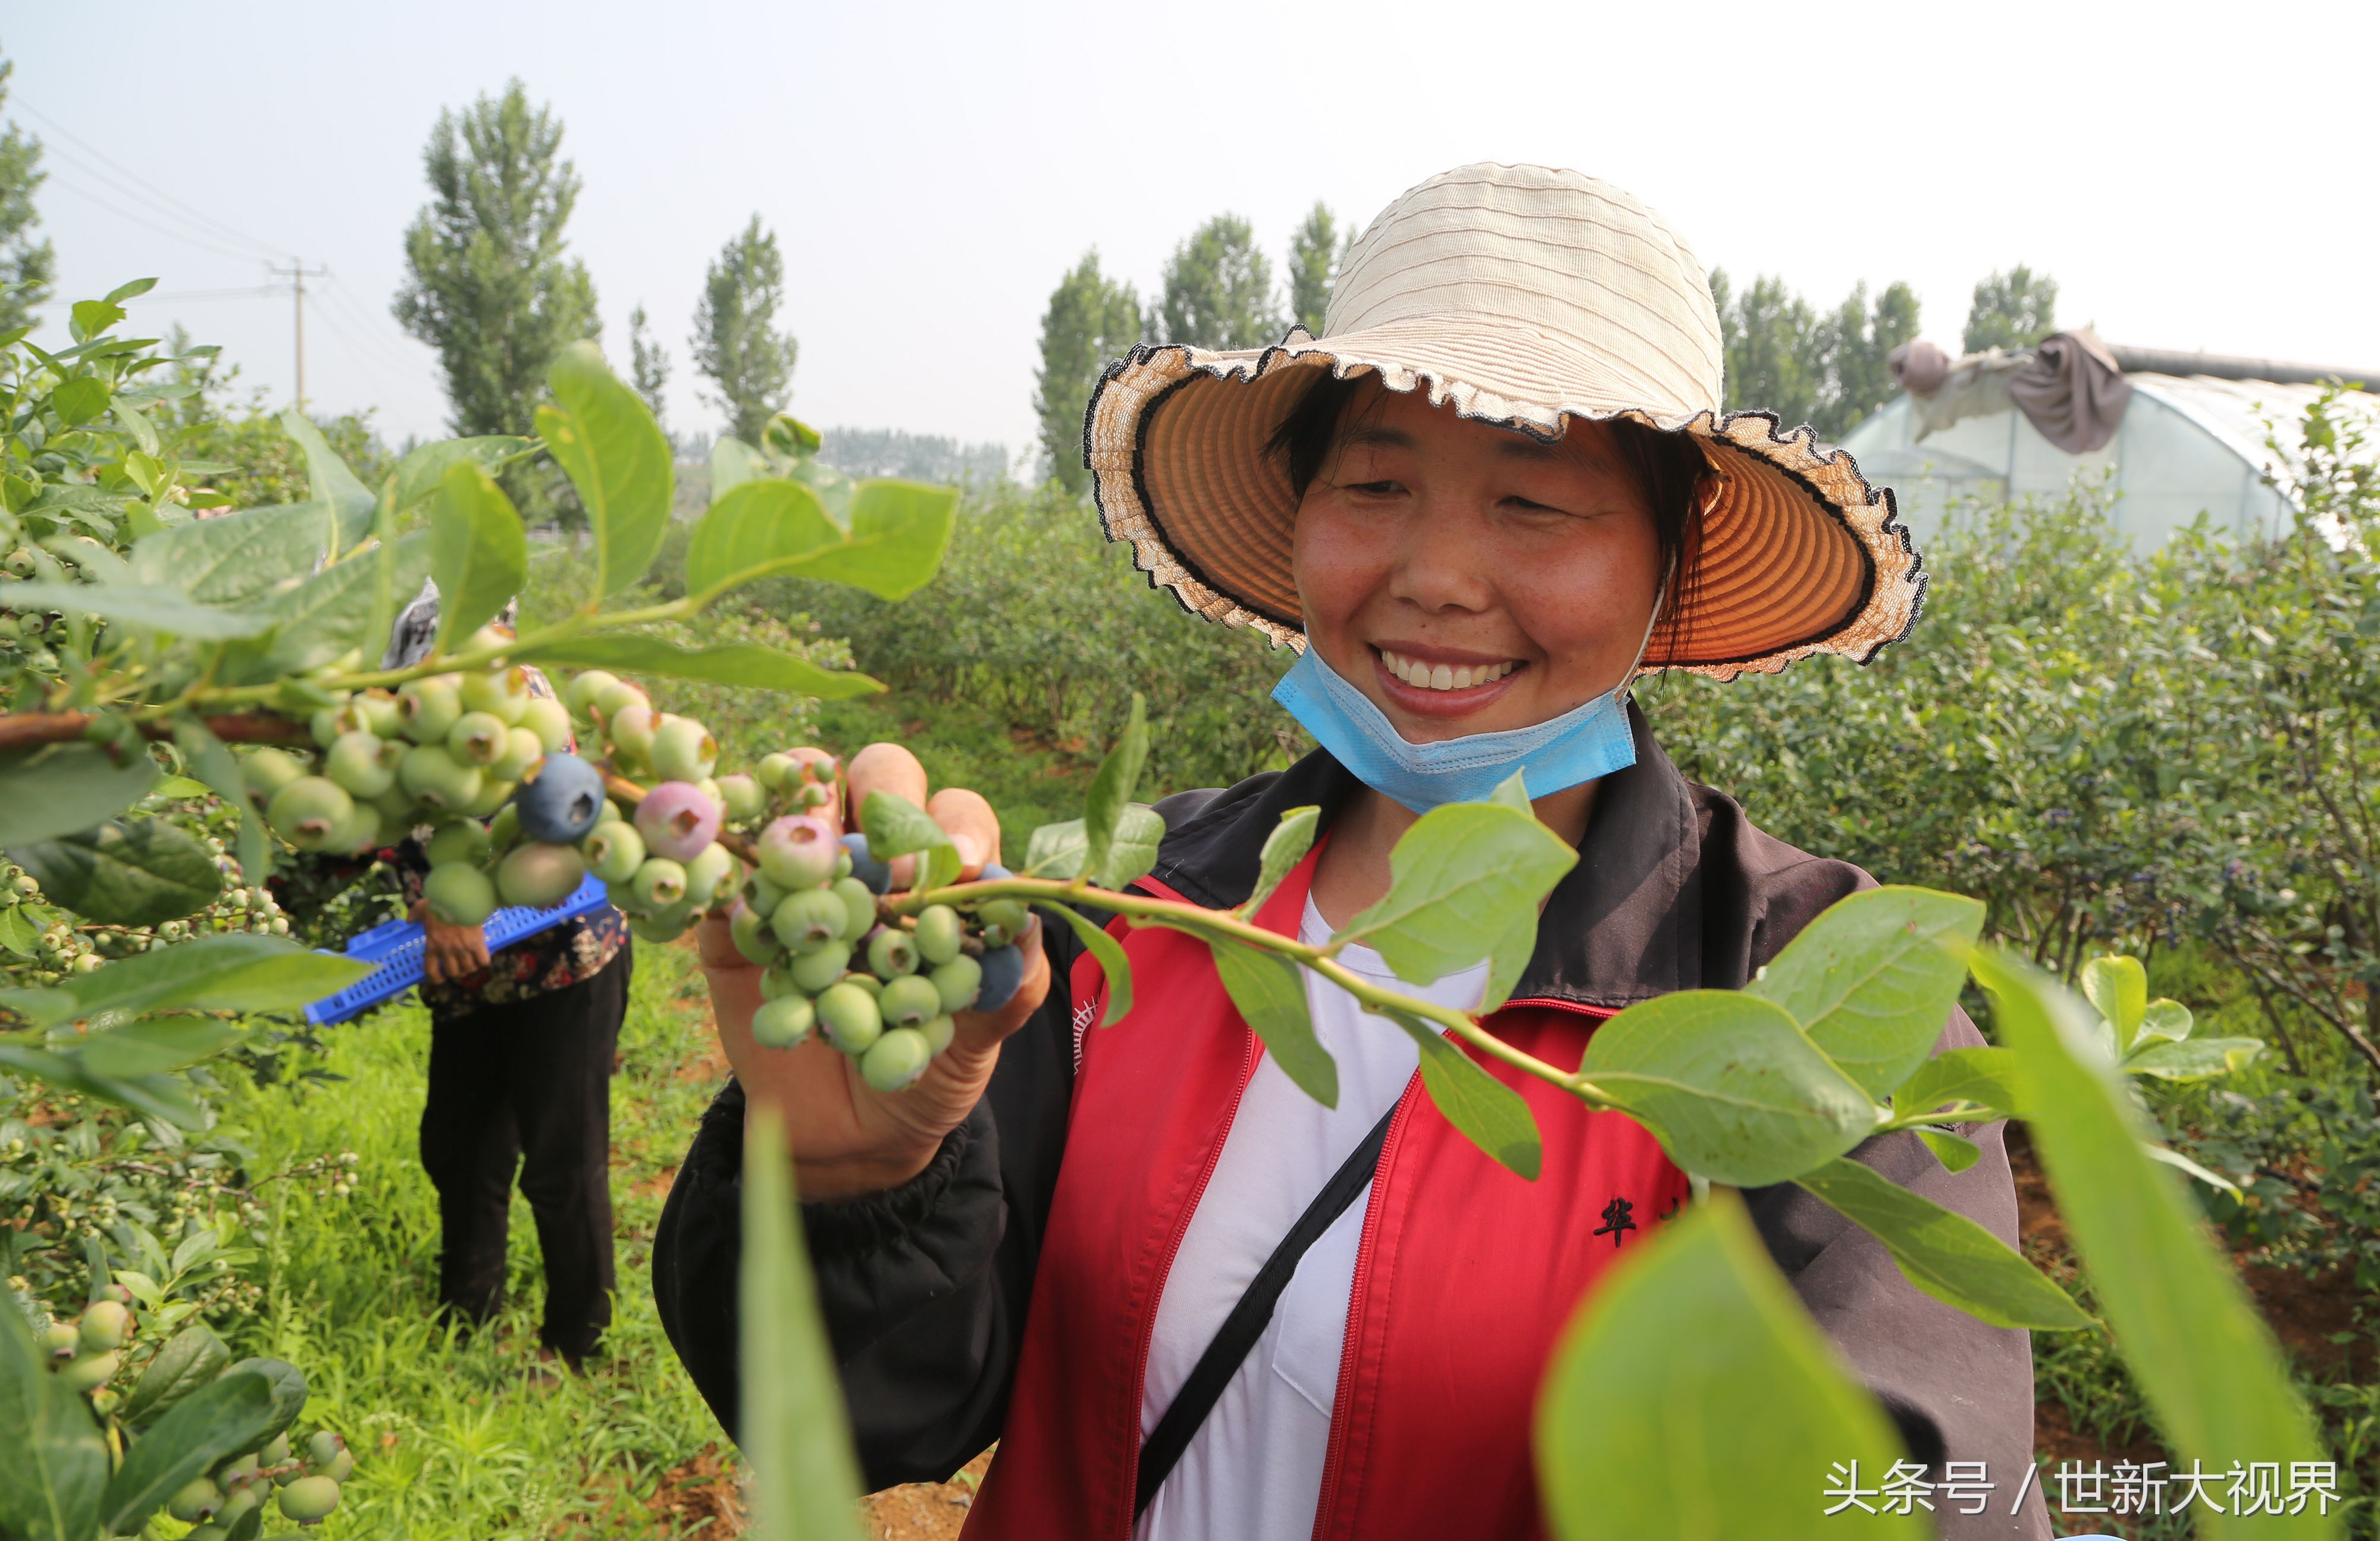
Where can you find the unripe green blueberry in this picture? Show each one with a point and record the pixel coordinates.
(663, 927)
(550, 720)
(683, 750)
(208, 1532)
(436, 779)
(742, 798)
(778, 770)
(618, 696)
(957, 981)
(776, 983)
(937, 933)
(427, 710)
(710, 876)
(540, 877)
(325, 1448)
(1009, 915)
(494, 795)
(614, 852)
(504, 830)
(395, 805)
(658, 884)
(358, 833)
(866, 981)
(463, 840)
(276, 1452)
(849, 1018)
(783, 1023)
(910, 999)
(338, 1468)
(378, 712)
(765, 895)
(105, 1325)
(939, 1032)
(238, 1503)
(479, 739)
(308, 810)
(895, 1059)
(502, 692)
(586, 688)
(267, 771)
(326, 725)
(812, 972)
(194, 1501)
(750, 930)
(631, 732)
(309, 1499)
(363, 763)
(459, 896)
(798, 853)
(892, 952)
(238, 1470)
(58, 1341)
(858, 908)
(809, 920)
(815, 797)
(91, 1371)
(523, 751)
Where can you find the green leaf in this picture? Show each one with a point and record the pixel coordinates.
(2167, 1020)
(91, 317)
(79, 399)
(1943, 1253)
(1985, 1076)
(1111, 788)
(1270, 993)
(2197, 1059)
(479, 553)
(1512, 792)
(1664, 1414)
(16, 934)
(331, 613)
(1483, 1110)
(207, 755)
(1283, 849)
(142, 607)
(1463, 876)
(141, 873)
(142, 1049)
(790, 438)
(330, 482)
(60, 788)
(1061, 850)
(753, 529)
(1955, 1152)
(794, 1434)
(742, 663)
(733, 463)
(1730, 1084)
(289, 1385)
(2120, 988)
(217, 1420)
(895, 826)
(56, 1465)
(130, 290)
(617, 457)
(190, 1360)
(2181, 1163)
(420, 472)
(1102, 946)
(158, 1096)
(899, 530)
(137, 424)
(237, 557)
(2207, 1365)
(231, 973)
(1871, 979)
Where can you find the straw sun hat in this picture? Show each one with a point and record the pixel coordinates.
(1525, 296)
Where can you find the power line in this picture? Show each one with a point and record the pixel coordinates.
(151, 225)
(340, 294)
(188, 210)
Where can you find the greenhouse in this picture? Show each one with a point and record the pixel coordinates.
(2172, 434)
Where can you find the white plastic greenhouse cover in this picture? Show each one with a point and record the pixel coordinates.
(2188, 445)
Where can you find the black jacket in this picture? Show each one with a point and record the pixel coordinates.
(925, 1287)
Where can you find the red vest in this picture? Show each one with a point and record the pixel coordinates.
(1466, 1276)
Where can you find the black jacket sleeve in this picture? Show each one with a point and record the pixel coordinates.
(924, 1286)
(1958, 1390)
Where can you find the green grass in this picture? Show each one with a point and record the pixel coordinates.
(452, 1443)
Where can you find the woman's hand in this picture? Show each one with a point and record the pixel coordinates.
(848, 1138)
(448, 951)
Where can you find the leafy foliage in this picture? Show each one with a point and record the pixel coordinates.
(2011, 310)
(1316, 250)
(1218, 289)
(1828, 371)
(1090, 319)
(26, 265)
(736, 344)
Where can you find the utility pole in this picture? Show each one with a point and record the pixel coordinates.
(297, 272)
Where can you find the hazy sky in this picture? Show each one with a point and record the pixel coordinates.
(2191, 176)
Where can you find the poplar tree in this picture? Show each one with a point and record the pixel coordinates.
(648, 363)
(1315, 253)
(1218, 290)
(736, 343)
(489, 284)
(1090, 320)
(27, 266)
(2011, 310)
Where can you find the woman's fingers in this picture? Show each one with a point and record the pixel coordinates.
(972, 826)
(885, 768)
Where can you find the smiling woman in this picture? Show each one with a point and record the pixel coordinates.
(1188, 1299)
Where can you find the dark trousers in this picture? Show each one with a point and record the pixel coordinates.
(529, 1082)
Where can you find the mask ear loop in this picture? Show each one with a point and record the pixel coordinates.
(1653, 624)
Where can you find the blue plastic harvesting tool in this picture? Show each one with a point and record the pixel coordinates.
(396, 946)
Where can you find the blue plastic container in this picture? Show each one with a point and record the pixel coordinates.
(396, 946)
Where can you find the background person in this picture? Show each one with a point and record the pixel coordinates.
(1495, 488)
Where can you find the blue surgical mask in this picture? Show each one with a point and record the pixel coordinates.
(1579, 746)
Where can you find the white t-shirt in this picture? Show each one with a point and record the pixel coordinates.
(1253, 1469)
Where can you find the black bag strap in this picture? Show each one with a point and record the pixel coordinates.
(1248, 1318)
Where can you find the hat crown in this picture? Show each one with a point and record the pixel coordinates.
(1612, 291)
